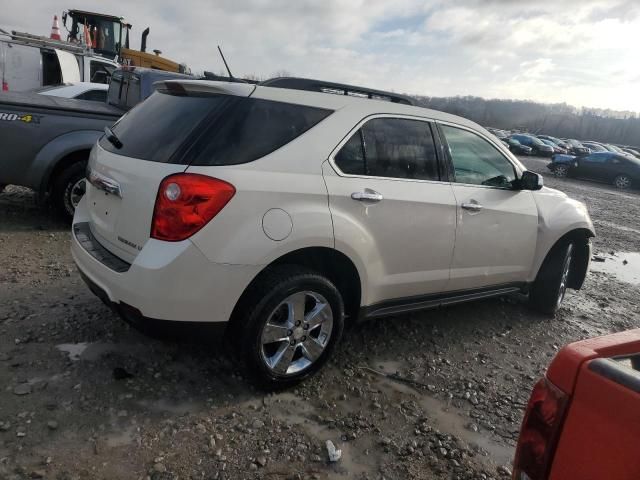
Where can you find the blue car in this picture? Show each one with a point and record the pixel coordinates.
(538, 147)
(623, 171)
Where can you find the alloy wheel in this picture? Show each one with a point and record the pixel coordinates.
(75, 194)
(561, 170)
(622, 182)
(296, 333)
(566, 266)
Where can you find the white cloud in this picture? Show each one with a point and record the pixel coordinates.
(579, 51)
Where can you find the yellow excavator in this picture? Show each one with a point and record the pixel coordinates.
(108, 35)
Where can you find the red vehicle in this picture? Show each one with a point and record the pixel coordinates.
(583, 418)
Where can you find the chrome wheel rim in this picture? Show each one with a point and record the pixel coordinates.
(566, 266)
(76, 192)
(296, 333)
(623, 182)
(561, 171)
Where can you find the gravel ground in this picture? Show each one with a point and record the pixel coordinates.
(433, 395)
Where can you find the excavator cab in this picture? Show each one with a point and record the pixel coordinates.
(107, 32)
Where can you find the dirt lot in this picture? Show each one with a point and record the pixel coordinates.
(85, 396)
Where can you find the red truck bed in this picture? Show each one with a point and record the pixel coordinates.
(583, 419)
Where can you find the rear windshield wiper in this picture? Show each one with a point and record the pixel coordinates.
(112, 137)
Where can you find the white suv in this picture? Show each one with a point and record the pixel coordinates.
(284, 210)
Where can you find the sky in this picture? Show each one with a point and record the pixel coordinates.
(581, 52)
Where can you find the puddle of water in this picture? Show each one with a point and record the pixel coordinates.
(292, 410)
(74, 350)
(120, 438)
(625, 266)
(93, 351)
(450, 420)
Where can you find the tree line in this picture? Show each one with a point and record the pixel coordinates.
(559, 120)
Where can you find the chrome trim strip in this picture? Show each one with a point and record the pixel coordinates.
(104, 183)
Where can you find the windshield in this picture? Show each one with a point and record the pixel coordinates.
(106, 33)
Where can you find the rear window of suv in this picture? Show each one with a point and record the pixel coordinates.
(199, 129)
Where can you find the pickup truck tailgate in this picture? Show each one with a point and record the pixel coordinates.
(601, 434)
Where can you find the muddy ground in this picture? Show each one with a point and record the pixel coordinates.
(85, 396)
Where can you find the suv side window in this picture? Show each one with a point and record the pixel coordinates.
(477, 162)
(392, 148)
(350, 158)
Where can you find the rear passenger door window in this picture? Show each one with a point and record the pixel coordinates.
(391, 148)
(477, 162)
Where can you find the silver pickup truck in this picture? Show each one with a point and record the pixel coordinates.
(45, 141)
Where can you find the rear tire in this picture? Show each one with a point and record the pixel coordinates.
(550, 286)
(68, 189)
(303, 338)
(623, 182)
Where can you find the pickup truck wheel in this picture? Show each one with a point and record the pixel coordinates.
(290, 322)
(550, 286)
(68, 189)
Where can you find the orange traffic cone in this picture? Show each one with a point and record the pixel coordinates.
(55, 29)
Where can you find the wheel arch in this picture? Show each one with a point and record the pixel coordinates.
(329, 262)
(61, 165)
(580, 237)
(58, 154)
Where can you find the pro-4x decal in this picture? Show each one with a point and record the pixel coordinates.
(19, 117)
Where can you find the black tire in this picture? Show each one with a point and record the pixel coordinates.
(561, 171)
(623, 182)
(262, 303)
(63, 189)
(549, 288)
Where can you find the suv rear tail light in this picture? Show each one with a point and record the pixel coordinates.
(185, 203)
(539, 433)
(5, 87)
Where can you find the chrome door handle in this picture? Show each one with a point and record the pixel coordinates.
(367, 196)
(473, 207)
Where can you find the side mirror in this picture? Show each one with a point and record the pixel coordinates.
(531, 181)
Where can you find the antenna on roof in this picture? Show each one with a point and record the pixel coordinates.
(225, 62)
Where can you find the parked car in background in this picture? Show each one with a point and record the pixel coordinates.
(632, 151)
(46, 139)
(556, 148)
(262, 204)
(613, 148)
(557, 141)
(623, 171)
(501, 134)
(576, 148)
(516, 147)
(538, 147)
(595, 147)
(583, 418)
(96, 92)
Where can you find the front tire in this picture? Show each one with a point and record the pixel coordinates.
(68, 188)
(549, 289)
(289, 324)
(623, 182)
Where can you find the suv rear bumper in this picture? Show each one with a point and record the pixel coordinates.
(166, 281)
